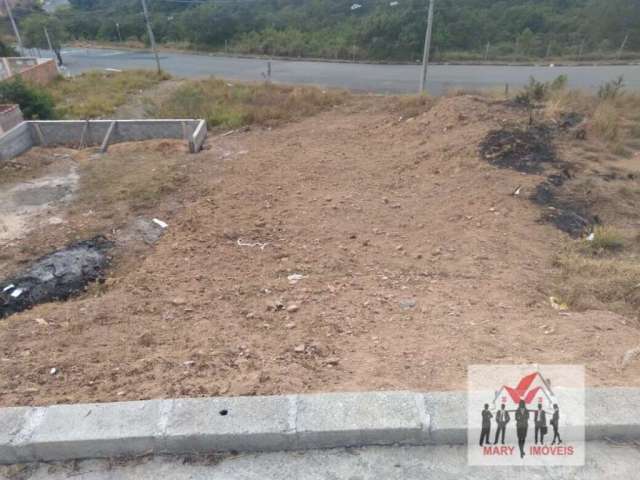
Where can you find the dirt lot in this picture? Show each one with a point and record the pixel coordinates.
(416, 260)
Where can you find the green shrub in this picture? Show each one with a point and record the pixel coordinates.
(34, 101)
(611, 89)
(536, 91)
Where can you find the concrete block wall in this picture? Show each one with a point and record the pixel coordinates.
(10, 116)
(82, 133)
(16, 141)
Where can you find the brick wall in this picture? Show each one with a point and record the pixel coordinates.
(42, 74)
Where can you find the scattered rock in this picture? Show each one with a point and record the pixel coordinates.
(332, 361)
(630, 356)
(299, 348)
(178, 301)
(295, 278)
(290, 325)
(275, 305)
(146, 339)
(407, 303)
(293, 308)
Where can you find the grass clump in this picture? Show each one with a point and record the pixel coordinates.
(587, 282)
(228, 105)
(98, 94)
(606, 238)
(605, 122)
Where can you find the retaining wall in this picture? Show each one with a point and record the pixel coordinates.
(80, 133)
(10, 116)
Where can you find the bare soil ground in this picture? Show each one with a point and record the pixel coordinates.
(416, 259)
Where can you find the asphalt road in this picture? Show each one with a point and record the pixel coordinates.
(359, 77)
(604, 461)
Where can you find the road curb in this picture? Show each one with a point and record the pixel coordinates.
(268, 423)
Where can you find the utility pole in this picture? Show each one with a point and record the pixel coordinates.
(55, 51)
(486, 53)
(46, 34)
(15, 27)
(624, 44)
(427, 47)
(118, 29)
(152, 39)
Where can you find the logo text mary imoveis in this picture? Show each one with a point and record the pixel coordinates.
(534, 450)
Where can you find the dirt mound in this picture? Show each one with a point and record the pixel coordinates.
(522, 149)
(56, 276)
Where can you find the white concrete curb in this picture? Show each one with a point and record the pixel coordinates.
(291, 422)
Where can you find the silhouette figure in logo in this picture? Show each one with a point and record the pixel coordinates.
(486, 425)
(555, 421)
(502, 418)
(522, 424)
(540, 421)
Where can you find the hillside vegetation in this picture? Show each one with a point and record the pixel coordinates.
(371, 30)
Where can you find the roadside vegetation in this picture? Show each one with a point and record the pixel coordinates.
(464, 30)
(232, 105)
(602, 269)
(98, 94)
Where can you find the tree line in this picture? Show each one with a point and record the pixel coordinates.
(389, 30)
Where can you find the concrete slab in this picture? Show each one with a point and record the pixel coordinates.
(233, 423)
(11, 422)
(345, 419)
(94, 431)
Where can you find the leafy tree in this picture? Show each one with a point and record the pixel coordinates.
(7, 50)
(34, 36)
(376, 30)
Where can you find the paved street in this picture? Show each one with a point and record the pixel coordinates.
(604, 460)
(360, 77)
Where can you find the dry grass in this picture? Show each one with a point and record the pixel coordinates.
(98, 94)
(233, 105)
(409, 106)
(587, 282)
(565, 100)
(606, 238)
(605, 121)
(131, 176)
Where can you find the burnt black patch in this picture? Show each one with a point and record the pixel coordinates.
(522, 149)
(568, 215)
(531, 150)
(56, 276)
